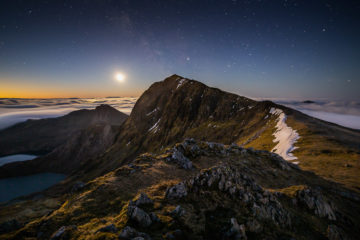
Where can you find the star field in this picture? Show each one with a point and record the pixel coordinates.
(263, 48)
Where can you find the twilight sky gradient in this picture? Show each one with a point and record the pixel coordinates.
(257, 48)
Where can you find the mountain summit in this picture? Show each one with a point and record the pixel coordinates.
(195, 162)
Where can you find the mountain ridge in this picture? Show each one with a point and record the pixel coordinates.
(192, 162)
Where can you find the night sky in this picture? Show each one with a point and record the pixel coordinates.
(268, 49)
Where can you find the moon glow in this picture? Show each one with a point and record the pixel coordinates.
(120, 77)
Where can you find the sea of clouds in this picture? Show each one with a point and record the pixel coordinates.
(14, 110)
(345, 113)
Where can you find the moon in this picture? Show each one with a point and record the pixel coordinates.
(120, 77)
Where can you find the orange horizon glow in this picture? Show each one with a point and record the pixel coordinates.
(27, 90)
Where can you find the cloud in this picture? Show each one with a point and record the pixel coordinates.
(345, 113)
(18, 110)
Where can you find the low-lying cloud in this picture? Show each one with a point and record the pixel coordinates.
(12, 111)
(345, 113)
(17, 110)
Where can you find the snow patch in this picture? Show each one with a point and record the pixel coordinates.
(180, 83)
(285, 136)
(155, 127)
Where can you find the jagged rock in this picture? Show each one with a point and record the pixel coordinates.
(139, 216)
(314, 200)
(177, 191)
(143, 199)
(178, 211)
(237, 231)
(154, 217)
(108, 228)
(9, 226)
(132, 233)
(264, 205)
(335, 233)
(178, 157)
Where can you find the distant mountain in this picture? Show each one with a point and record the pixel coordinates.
(44, 135)
(195, 162)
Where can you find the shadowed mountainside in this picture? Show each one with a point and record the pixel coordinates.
(44, 135)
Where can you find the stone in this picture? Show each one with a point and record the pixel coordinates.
(316, 202)
(154, 217)
(177, 191)
(178, 211)
(139, 216)
(132, 233)
(143, 199)
(237, 231)
(128, 233)
(108, 228)
(179, 158)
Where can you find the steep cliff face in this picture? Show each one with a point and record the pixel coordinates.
(44, 135)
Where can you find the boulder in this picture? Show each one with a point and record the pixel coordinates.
(177, 191)
(154, 217)
(132, 233)
(143, 199)
(178, 211)
(139, 216)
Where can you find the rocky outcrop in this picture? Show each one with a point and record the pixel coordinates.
(143, 199)
(132, 233)
(263, 204)
(316, 202)
(177, 191)
(139, 216)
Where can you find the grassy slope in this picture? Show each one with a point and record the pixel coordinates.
(330, 151)
(104, 200)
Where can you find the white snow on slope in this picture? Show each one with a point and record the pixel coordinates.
(180, 83)
(154, 128)
(285, 136)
